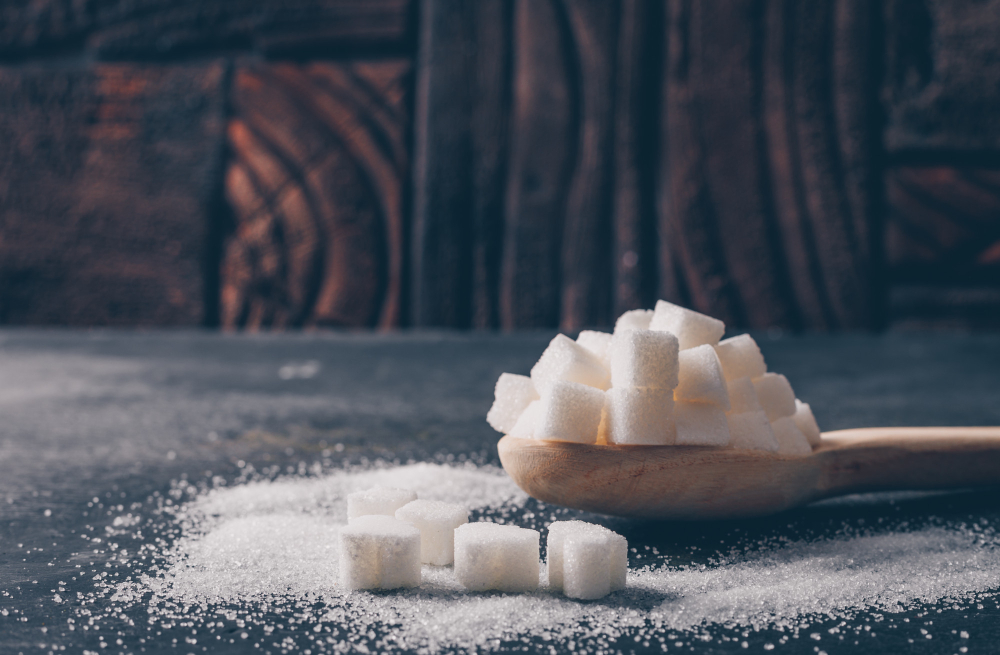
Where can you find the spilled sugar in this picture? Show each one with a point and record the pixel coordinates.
(261, 558)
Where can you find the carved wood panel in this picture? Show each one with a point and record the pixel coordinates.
(318, 160)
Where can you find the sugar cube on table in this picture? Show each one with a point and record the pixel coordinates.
(700, 424)
(751, 431)
(636, 319)
(584, 560)
(691, 328)
(740, 356)
(525, 426)
(565, 359)
(494, 556)
(775, 395)
(644, 358)
(436, 521)
(640, 416)
(377, 500)
(513, 393)
(807, 422)
(570, 412)
(791, 441)
(379, 552)
(700, 377)
(596, 342)
(742, 397)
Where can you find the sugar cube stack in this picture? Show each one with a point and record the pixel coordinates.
(691, 328)
(377, 500)
(668, 378)
(379, 552)
(493, 556)
(806, 422)
(775, 395)
(641, 416)
(436, 521)
(512, 395)
(584, 560)
(570, 412)
(565, 359)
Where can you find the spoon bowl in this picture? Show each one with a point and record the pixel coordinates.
(701, 482)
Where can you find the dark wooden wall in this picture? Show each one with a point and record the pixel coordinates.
(831, 164)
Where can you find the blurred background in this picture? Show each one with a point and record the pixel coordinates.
(263, 164)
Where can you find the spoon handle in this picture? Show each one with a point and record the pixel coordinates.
(873, 459)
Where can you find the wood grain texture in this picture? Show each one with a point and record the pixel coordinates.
(942, 83)
(155, 28)
(769, 161)
(316, 183)
(108, 180)
(698, 482)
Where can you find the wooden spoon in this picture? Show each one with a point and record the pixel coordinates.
(697, 482)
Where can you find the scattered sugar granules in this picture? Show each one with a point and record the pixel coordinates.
(258, 561)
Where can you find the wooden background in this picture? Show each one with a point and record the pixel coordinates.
(832, 164)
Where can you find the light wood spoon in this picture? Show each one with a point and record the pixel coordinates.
(694, 482)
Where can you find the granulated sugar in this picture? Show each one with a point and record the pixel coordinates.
(258, 561)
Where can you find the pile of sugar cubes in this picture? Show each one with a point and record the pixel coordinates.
(663, 377)
(390, 533)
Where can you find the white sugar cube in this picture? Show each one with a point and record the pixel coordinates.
(585, 561)
(644, 358)
(570, 412)
(565, 359)
(700, 424)
(513, 393)
(379, 552)
(525, 426)
(377, 500)
(740, 357)
(640, 416)
(791, 441)
(700, 377)
(691, 328)
(807, 422)
(436, 521)
(636, 319)
(596, 342)
(775, 395)
(751, 431)
(493, 556)
(742, 397)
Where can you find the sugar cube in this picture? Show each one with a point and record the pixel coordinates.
(640, 416)
(379, 552)
(806, 422)
(525, 426)
(740, 357)
(751, 431)
(700, 424)
(493, 556)
(775, 395)
(742, 397)
(644, 358)
(636, 319)
(436, 521)
(565, 359)
(791, 441)
(596, 342)
(691, 328)
(377, 500)
(570, 412)
(513, 393)
(700, 377)
(585, 561)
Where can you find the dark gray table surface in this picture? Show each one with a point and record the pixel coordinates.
(121, 414)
